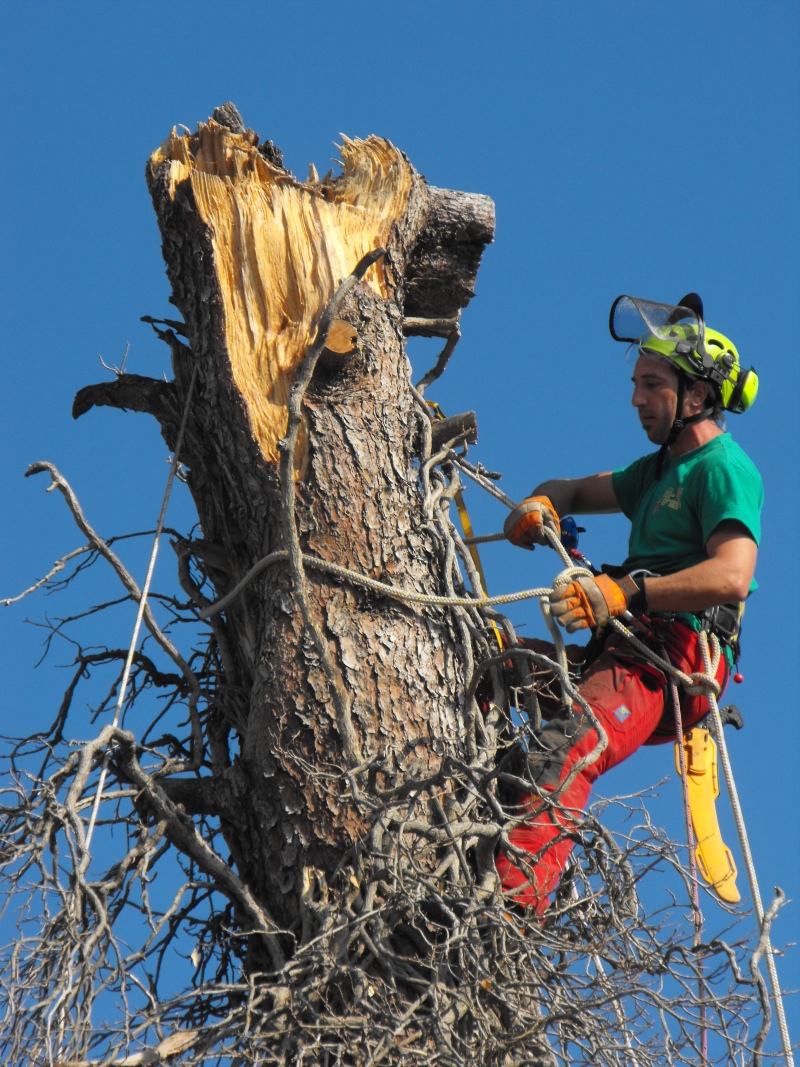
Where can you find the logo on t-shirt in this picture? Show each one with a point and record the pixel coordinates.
(670, 499)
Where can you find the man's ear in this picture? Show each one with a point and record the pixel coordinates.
(697, 396)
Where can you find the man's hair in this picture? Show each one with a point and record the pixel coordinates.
(713, 396)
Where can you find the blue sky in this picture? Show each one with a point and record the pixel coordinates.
(640, 147)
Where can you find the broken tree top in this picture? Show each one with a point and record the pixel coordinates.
(280, 247)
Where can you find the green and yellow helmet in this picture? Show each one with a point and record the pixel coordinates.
(677, 335)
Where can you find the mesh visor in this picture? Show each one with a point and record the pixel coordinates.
(632, 320)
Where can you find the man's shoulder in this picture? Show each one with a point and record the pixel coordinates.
(724, 483)
(630, 482)
(722, 452)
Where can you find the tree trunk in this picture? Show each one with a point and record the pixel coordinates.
(254, 257)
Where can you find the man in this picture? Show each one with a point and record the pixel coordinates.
(695, 509)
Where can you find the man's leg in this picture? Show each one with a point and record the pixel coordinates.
(544, 678)
(682, 647)
(627, 698)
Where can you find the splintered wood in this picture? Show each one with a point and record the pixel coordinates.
(281, 247)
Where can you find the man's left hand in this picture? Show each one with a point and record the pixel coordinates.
(591, 602)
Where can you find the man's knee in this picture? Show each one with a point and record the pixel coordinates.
(549, 749)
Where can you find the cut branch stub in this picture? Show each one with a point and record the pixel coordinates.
(444, 263)
(463, 427)
(341, 338)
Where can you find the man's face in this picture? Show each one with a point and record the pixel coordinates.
(655, 397)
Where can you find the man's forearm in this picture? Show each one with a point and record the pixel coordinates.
(561, 491)
(583, 496)
(724, 577)
(703, 586)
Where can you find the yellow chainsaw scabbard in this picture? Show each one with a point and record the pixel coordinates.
(713, 856)
(466, 525)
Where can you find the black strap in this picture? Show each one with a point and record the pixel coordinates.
(679, 425)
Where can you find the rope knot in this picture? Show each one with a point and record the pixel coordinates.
(699, 684)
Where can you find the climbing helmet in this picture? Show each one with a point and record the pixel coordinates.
(677, 335)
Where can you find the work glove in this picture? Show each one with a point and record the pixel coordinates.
(525, 525)
(591, 602)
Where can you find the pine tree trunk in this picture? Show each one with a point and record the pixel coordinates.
(254, 257)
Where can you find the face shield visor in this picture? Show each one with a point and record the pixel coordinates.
(633, 319)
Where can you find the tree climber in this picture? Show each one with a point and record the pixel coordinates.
(694, 507)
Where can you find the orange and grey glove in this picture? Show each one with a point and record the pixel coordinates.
(525, 525)
(591, 602)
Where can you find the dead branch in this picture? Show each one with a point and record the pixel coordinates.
(130, 392)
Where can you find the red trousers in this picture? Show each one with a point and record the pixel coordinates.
(630, 699)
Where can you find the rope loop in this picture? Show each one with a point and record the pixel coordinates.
(569, 574)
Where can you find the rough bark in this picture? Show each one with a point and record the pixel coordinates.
(254, 257)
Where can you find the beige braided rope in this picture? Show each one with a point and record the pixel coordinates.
(399, 593)
(744, 842)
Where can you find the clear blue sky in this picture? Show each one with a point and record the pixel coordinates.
(630, 146)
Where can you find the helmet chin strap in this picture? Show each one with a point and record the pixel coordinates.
(679, 424)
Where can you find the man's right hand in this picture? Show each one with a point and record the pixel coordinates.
(526, 524)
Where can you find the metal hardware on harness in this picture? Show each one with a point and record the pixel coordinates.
(725, 621)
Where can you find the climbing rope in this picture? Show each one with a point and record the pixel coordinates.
(697, 915)
(744, 843)
(123, 686)
(397, 592)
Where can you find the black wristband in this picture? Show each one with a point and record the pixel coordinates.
(638, 601)
(634, 591)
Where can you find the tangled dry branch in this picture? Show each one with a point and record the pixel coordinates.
(137, 953)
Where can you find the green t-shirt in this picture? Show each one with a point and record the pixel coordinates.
(673, 518)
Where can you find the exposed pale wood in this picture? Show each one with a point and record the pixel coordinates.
(281, 247)
(341, 337)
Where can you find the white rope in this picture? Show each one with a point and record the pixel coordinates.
(123, 687)
(744, 843)
(697, 914)
(398, 592)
